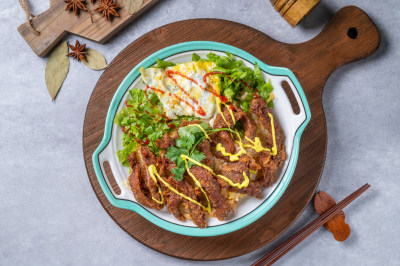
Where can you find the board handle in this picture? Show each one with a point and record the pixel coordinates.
(349, 36)
(51, 26)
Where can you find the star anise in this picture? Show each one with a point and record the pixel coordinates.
(78, 51)
(75, 5)
(107, 7)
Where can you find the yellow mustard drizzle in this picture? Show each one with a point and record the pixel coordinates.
(218, 102)
(245, 182)
(231, 113)
(153, 171)
(256, 144)
(232, 157)
(202, 129)
(273, 149)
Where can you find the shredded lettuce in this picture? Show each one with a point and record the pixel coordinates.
(239, 81)
(142, 121)
(163, 64)
(195, 57)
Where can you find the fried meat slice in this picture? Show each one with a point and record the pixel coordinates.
(234, 171)
(196, 212)
(137, 182)
(213, 190)
(148, 158)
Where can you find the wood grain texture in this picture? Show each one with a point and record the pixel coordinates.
(55, 23)
(298, 11)
(312, 62)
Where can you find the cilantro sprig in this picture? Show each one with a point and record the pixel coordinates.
(189, 137)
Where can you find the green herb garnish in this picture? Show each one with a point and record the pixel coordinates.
(142, 121)
(189, 137)
(242, 81)
(163, 64)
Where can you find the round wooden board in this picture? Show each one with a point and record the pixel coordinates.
(312, 62)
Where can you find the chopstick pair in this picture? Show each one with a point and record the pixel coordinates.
(293, 241)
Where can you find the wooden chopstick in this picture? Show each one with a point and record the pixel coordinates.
(293, 241)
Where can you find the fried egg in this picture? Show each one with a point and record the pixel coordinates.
(181, 89)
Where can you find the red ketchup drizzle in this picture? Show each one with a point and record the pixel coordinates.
(169, 73)
(147, 96)
(199, 110)
(222, 98)
(154, 89)
(146, 142)
(128, 105)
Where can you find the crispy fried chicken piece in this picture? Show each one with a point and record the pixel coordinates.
(247, 122)
(173, 200)
(196, 212)
(213, 190)
(148, 158)
(138, 185)
(204, 147)
(222, 137)
(260, 108)
(234, 171)
(165, 142)
(269, 164)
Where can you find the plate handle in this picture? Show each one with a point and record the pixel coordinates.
(296, 118)
(106, 155)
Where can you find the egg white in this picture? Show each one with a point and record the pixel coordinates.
(156, 78)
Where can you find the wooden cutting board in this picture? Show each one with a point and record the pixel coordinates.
(349, 36)
(55, 23)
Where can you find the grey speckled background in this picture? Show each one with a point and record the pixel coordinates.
(50, 216)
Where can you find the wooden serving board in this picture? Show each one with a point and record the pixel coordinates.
(312, 62)
(55, 23)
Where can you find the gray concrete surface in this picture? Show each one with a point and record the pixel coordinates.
(50, 216)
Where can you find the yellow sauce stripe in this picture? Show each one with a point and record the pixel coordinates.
(197, 182)
(274, 149)
(257, 146)
(232, 157)
(202, 129)
(218, 101)
(245, 183)
(153, 171)
(231, 112)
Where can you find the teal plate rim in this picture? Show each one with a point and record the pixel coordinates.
(241, 222)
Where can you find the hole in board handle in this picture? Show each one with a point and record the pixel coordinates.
(292, 99)
(111, 178)
(352, 33)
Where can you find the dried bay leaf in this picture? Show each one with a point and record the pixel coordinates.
(133, 5)
(57, 69)
(95, 60)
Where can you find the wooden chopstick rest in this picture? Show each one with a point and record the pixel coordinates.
(337, 225)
